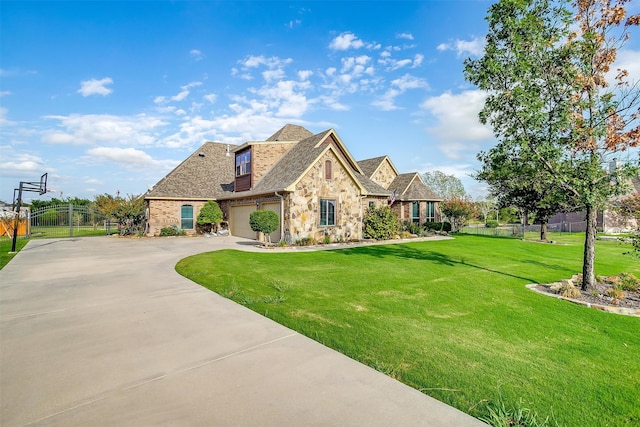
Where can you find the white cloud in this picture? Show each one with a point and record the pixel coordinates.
(180, 96)
(408, 81)
(196, 54)
(459, 170)
(272, 75)
(473, 47)
(4, 93)
(458, 128)
(4, 121)
(391, 64)
(95, 87)
(406, 36)
(305, 74)
(21, 164)
(386, 102)
(78, 129)
(130, 158)
(211, 97)
(346, 41)
(294, 23)
(121, 155)
(273, 62)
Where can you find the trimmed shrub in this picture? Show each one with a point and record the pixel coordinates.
(381, 224)
(172, 231)
(438, 226)
(492, 223)
(264, 221)
(210, 215)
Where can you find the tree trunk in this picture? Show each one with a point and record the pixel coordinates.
(588, 274)
(543, 230)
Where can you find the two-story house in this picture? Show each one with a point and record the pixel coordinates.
(311, 181)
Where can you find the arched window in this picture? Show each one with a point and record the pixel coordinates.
(186, 217)
(327, 170)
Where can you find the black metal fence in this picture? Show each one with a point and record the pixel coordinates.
(518, 231)
(68, 221)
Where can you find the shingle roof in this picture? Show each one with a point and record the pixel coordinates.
(292, 164)
(409, 186)
(290, 133)
(371, 187)
(369, 166)
(206, 174)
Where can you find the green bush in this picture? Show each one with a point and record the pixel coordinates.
(628, 282)
(210, 215)
(306, 241)
(438, 226)
(172, 231)
(381, 223)
(412, 228)
(264, 221)
(492, 223)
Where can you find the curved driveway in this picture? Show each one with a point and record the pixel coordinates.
(103, 331)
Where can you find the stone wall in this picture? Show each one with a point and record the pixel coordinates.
(166, 213)
(385, 175)
(302, 207)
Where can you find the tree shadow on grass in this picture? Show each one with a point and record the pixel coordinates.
(408, 252)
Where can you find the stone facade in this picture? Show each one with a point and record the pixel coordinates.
(303, 207)
(384, 175)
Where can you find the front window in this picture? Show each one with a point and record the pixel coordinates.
(431, 211)
(415, 212)
(186, 217)
(243, 163)
(327, 212)
(372, 205)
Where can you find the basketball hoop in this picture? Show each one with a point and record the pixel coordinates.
(33, 186)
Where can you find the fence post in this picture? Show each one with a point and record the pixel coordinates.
(70, 220)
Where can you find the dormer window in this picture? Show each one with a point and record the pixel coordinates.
(243, 163)
(327, 170)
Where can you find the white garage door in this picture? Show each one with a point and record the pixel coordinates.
(275, 236)
(239, 221)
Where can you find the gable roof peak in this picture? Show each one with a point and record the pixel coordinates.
(371, 166)
(290, 132)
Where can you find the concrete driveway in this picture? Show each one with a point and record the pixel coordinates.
(103, 331)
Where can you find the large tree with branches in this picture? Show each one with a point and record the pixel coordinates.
(549, 100)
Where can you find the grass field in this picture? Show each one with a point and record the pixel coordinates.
(5, 248)
(454, 320)
(66, 231)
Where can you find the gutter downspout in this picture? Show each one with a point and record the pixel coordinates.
(281, 215)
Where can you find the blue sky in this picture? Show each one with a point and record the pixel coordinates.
(108, 97)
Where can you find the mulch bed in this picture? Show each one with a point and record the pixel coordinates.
(596, 297)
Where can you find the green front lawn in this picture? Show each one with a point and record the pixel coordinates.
(453, 319)
(5, 248)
